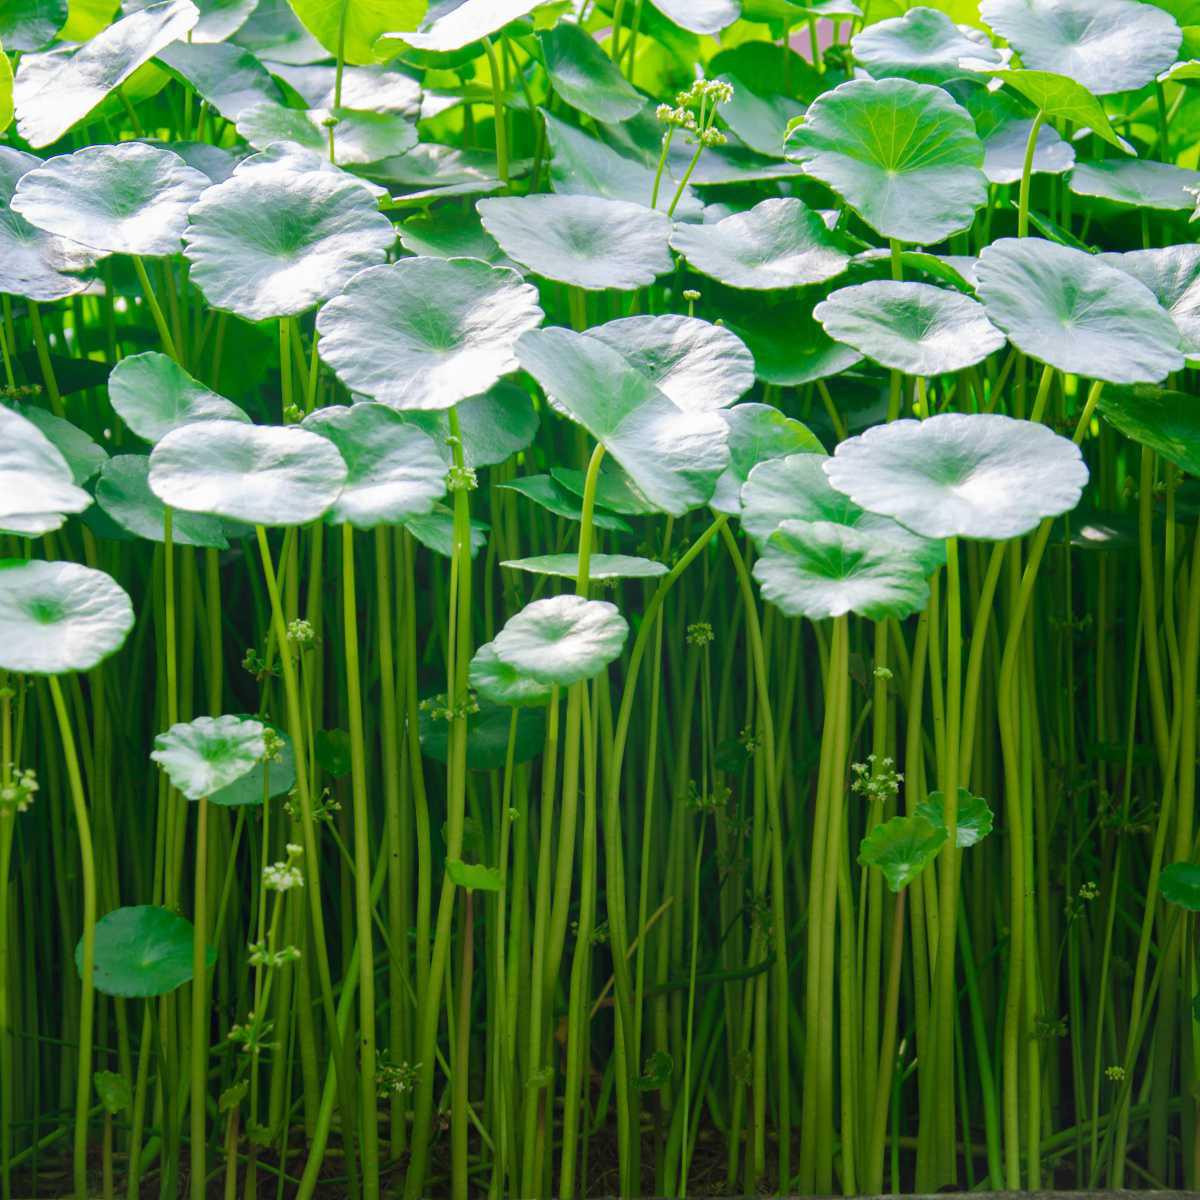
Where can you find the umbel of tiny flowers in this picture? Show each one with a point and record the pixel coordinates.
(284, 875)
(695, 112)
(18, 793)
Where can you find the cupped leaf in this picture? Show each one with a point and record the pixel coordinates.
(551, 495)
(700, 16)
(1179, 884)
(275, 778)
(674, 457)
(34, 263)
(425, 333)
(58, 616)
(435, 531)
(474, 876)
(1066, 308)
(581, 240)
(123, 493)
(585, 77)
(153, 395)
(795, 487)
(1172, 274)
(698, 365)
(84, 457)
(126, 199)
(142, 951)
(562, 639)
(819, 570)
(499, 683)
(379, 88)
(34, 475)
(1062, 99)
(353, 30)
(289, 157)
(974, 818)
(447, 29)
(789, 344)
(911, 327)
(207, 754)
(394, 470)
(228, 77)
(445, 233)
(1166, 421)
(276, 35)
(923, 45)
(75, 85)
(262, 475)
(492, 426)
(275, 244)
(757, 434)
(600, 566)
(1138, 182)
(779, 243)
(488, 732)
(360, 135)
(902, 848)
(973, 475)
(30, 24)
(903, 155)
(1003, 127)
(1105, 45)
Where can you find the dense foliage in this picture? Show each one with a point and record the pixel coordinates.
(592, 604)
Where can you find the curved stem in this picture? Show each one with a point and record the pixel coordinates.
(1026, 174)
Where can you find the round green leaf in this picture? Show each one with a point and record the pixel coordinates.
(1179, 883)
(123, 492)
(73, 86)
(1105, 45)
(501, 684)
(818, 570)
(1172, 274)
(600, 566)
(674, 457)
(426, 333)
(377, 88)
(1003, 127)
(973, 475)
(1064, 307)
(581, 240)
(58, 616)
(353, 29)
(474, 876)
(1139, 182)
(84, 457)
(126, 199)
(585, 77)
(447, 233)
(757, 433)
(262, 475)
(275, 34)
(563, 639)
(115, 1091)
(487, 735)
(360, 135)
(219, 19)
(902, 848)
(288, 156)
(698, 365)
(435, 531)
(493, 426)
(923, 45)
(779, 243)
(34, 263)
(903, 155)
(229, 78)
(277, 243)
(447, 29)
(1168, 422)
(30, 24)
(550, 494)
(153, 395)
(973, 820)
(700, 16)
(202, 756)
(394, 470)
(911, 327)
(795, 488)
(759, 119)
(274, 778)
(789, 345)
(142, 951)
(34, 475)
(614, 489)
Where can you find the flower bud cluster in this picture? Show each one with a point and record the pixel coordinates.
(18, 793)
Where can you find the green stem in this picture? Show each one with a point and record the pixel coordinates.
(199, 1006)
(500, 115)
(1026, 175)
(156, 312)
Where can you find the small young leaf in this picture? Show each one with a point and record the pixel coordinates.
(474, 877)
(902, 848)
